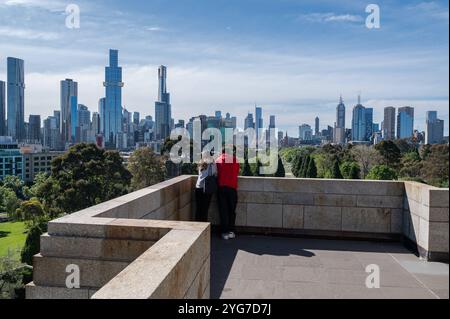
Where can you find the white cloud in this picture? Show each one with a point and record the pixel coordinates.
(329, 17)
(51, 5)
(28, 34)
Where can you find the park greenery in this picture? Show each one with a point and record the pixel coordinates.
(388, 160)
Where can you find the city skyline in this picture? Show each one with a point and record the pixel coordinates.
(323, 50)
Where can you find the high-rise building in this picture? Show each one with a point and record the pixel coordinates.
(317, 126)
(83, 123)
(339, 127)
(113, 99)
(434, 132)
(136, 118)
(405, 122)
(272, 123)
(102, 113)
(51, 137)
(305, 132)
(259, 123)
(96, 123)
(218, 114)
(2, 108)
(34, 129)
(389, 123)
(16, 95)
(69, 89)
(249, 123)
(73, 119)
(369, 123)
(359, 126)
(163, 109)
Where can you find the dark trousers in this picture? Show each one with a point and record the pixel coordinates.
(227, 200)
(202, 201)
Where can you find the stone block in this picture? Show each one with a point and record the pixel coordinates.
(424, 233)
(293, 199)
(439, 198)
(38, 292)
(438, 237)
(251, 184)
(374, 220)
(322, 217)
(334, 200)
(438, 214)
(241, 214)
(293, 216)
(397, 221)
(255, 197)
(380, 201)
(200, 283)
(265, 215)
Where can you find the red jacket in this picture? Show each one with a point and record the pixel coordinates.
(227, 171)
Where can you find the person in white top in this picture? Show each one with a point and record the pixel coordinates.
(206, 167)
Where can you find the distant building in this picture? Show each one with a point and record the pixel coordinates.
(405, 122)
(16, 95)
(339, 127)
(369, 123)
(249, 123)
(51, 136)
(305, 132)
(3, 131)
(136, 118)
(34, 129)
(317, 126)
(259, 123)
(69, 89)
(359, 126)
(11, 160)
(113, 99)
(434, 132)
(272, 122)
(163, 108)
(389, 123)
(35, 163)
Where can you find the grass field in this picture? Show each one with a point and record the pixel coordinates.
(12, 236)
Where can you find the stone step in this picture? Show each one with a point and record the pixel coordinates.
(95, 248)
(51, 271)
(47, 292)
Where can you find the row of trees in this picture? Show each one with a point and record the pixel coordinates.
(388, 160)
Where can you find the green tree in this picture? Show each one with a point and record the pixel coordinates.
(336, 171)
(146, 168)
(85, 176)
(390, 153)
(305, 166)
(8, 201)
(15, 184)
(350, 170)
(411, 165)
(247, 170)
(30, 210)
(382, 172)
(436, 165)
(366, 157)
(32, 243)
(280, 169)
(312, 169)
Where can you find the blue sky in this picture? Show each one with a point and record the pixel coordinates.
(293, 57)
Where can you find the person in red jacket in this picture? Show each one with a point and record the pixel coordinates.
(227, 179)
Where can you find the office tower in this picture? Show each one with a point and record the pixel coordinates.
(405, 122)
(369, 123)
(359, 127)
(15, 105)
(51, 136)
(102, 113)
(2, 109)
(305, 132)
(73, 118)
(375, 127)
(249, 123)
(259, 122)
(218, 114)
(389, 123)
(113, 99)
(69, 89)
(434, 132)
(127, 119)
(57, 115)
(317, 126)
(272, 123)
(83, 123)
(163, 111)
(34, 128)
(339, 127)
(96, 123)
(136, 118)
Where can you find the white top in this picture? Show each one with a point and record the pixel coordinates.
(202, 175)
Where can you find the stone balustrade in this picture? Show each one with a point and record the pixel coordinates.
(145, 245)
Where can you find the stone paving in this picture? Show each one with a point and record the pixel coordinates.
(296, 268)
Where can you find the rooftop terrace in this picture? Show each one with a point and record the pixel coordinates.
(144, 245)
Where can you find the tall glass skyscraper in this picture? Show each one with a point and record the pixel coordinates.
(369, 123)
(339, 128)
(259, 123)
(113, 101)
(405, 122)
(434, 132)
(359, 126)
(163, 109)
(73, 118)
(389, 123)
(16, 92)
(2, 108)
(69, 89)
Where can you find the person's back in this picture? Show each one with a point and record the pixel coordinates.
(227, 171)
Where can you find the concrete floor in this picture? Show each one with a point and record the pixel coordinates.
(292, 268)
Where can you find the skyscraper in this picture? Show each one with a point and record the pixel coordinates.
(359, 126)
(272, 122)
(69, 89)
(434, 133)
(305, 132)
(113, 99)
(102, 113)
(136, 118)
(405, 122)
(389, 123)
(317, 126)
(16, 92)
(2, 108)
(369, 123)
(339, 128)
(163, 111)
(249, 123)
(73, 118)
(34, 129)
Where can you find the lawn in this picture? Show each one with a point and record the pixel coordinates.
(12, 236)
